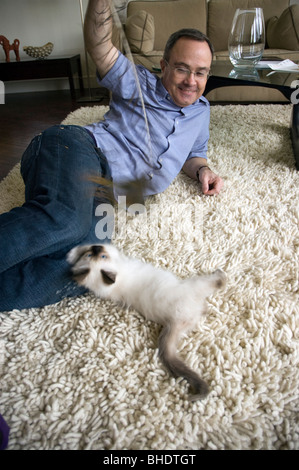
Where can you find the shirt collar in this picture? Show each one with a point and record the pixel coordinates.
(162, 93)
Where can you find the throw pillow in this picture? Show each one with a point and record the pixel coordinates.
(283, 32)
(140, 32)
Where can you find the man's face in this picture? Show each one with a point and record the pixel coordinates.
(194, 56)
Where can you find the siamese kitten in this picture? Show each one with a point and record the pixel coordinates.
(157, 294)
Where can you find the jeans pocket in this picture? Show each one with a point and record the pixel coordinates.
(30, 155)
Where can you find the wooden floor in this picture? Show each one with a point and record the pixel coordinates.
(26, 114)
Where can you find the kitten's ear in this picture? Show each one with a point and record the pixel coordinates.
(108, 276)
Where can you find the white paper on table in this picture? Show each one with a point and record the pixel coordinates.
(283, 66)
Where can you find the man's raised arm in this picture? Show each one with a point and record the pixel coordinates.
(98, 35)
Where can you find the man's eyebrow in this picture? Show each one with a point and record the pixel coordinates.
(182, 64)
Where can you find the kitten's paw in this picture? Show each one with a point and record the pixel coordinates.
(220, 278)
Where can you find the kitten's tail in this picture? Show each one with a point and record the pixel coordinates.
(168, 341)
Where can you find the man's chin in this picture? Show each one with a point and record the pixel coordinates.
(185, 98)
(185, 102)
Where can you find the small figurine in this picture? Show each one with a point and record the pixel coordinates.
(10, 47)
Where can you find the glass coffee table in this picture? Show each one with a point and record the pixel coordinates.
(224, 74)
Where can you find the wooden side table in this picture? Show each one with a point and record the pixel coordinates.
(55, 67)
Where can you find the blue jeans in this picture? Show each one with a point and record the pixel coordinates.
(58, 213)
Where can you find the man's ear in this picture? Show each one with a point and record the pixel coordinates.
(162, 65)
(108, 276)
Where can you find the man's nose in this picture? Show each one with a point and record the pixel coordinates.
(190, 78)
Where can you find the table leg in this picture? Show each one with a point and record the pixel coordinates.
(72, 87)
(295, 132)
(75, 67)
(80, 76)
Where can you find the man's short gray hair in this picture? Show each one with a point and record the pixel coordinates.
(185, 33)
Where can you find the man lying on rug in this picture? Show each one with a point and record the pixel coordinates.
(59, 211)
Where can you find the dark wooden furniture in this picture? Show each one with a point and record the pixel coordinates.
(54, 67)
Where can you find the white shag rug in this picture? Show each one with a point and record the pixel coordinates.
(85, 374)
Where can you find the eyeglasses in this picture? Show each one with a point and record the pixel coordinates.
(182, 72)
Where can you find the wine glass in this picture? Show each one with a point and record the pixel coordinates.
(246, 41)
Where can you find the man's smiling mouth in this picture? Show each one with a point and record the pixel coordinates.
(187, 91)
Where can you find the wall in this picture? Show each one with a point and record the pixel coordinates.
(36, 22)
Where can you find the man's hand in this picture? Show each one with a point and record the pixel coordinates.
(98, 35)
(197, 168)
(211, 184)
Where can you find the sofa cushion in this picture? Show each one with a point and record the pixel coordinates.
(171, 16)
(140, 32)
(283, 32)
(221, 14)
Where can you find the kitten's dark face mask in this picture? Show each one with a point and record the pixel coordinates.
(108, 277)
(82, 258)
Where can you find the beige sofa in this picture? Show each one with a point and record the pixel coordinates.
(150, 23)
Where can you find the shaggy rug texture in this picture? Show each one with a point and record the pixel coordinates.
(85, 373)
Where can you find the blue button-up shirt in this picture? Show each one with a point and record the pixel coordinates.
(156, 150)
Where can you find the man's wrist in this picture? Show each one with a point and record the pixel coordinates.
(200, 168)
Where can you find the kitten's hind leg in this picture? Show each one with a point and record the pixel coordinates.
(167, 352)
